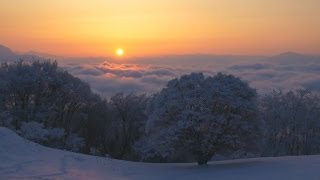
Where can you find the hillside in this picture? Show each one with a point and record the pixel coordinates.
(22, 159)
(6, 54)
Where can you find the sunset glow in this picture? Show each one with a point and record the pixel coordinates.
(158, 27)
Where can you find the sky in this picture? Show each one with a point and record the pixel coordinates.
(159, 27)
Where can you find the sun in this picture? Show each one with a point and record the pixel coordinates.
(119, 52)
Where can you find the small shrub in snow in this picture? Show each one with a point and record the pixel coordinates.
(56, 133)
(74, 142)
(5, 119)
(34, 131)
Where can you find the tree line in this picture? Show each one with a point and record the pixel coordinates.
(193, 118)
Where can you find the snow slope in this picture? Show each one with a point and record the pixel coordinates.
(22, 159)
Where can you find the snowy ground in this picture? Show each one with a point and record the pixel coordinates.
(22, 159)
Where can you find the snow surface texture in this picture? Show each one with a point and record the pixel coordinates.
(22, 159)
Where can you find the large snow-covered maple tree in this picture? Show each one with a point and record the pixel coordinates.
(202, 116)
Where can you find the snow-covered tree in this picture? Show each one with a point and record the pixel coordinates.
(202, 116)
(293, 124)
(128, 118)
(42, 92)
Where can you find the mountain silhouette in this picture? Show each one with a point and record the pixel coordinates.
(6, 54)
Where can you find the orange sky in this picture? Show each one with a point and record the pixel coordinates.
(157, 27)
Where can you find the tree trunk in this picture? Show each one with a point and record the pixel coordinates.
(202, 162)
(203, 159)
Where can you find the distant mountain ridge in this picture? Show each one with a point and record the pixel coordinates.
(6, 54)
(292, 57)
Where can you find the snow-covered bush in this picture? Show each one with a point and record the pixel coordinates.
(34, 131)
(56, 133)
(203, 116)
(74, 142)
(5, 119)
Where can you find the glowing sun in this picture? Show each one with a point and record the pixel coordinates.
(119, 52)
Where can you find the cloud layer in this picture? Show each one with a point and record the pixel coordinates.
(286, 71)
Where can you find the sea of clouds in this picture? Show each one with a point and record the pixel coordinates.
(149, 75)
